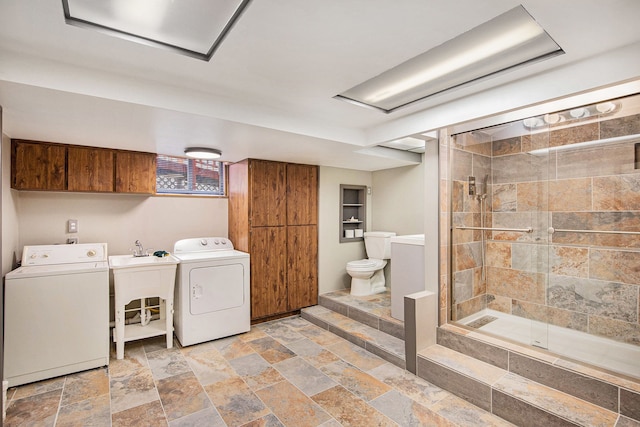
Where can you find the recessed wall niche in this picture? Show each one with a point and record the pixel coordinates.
(353, 201)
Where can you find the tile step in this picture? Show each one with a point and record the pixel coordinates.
(386, 346)
(516, 399)
(371, 310)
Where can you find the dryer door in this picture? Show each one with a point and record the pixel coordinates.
(216, 288)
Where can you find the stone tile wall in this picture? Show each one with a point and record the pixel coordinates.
(587, 282)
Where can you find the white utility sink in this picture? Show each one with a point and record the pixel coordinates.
(129, 261)
(140, 278)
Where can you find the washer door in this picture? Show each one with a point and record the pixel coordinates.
(216, 288)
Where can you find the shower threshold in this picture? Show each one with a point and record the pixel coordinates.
(606, 353)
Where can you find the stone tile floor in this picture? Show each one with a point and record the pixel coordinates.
(287, 372)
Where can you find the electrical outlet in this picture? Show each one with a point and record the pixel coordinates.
(72, 226)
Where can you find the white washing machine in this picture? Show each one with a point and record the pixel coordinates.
(212, 290)
(56, 312)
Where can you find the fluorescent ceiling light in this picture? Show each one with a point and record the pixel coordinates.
(190, 27)
(202, 153)
(597, 142)
(507, 41)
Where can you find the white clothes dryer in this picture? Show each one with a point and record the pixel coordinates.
(212, 291)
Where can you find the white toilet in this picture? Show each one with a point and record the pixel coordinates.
(367, 275)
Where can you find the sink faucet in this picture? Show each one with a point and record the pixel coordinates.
(139, 250)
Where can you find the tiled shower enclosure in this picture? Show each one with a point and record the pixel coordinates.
(543, 223)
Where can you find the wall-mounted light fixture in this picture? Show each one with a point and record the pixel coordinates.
(584, 112)
(507, 41)
(202, 153)
(195, 28)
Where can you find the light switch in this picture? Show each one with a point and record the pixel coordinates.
(72, 226)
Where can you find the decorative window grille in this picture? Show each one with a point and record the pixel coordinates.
(179, 175)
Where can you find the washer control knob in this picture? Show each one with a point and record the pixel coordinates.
(33, 256)
(45, 255)
(91, 253)
(217, 242)
(204, 242)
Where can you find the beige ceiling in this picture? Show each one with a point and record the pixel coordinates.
(268, 91)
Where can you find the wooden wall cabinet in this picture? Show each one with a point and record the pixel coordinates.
(49, 166)
(36, 166)
(135, 172)
(273, 213)
(89, 169)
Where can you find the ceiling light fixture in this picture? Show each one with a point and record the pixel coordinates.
(202, 153)
(507, 41)
(194, 28)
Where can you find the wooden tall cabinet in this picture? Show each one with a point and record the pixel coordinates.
(273, 215)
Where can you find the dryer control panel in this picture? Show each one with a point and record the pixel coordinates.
(202, 244)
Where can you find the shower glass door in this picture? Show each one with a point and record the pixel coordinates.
(500, 218)
(544, 240)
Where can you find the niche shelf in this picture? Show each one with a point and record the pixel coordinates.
(353, 204)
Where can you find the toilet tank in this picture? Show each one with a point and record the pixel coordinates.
(378, 244)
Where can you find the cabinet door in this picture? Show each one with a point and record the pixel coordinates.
(135, 172)
(90, 169)
(302, 194)
(302, 266)
(268, 193)
(238, 206)
(268, 271)
(38, 166)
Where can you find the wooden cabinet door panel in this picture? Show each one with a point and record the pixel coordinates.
(135, 172)
(302, 194)
(268, 271)
(268, 193)
(38, 166)
(238, 206)
(302, 266)
(90, 169)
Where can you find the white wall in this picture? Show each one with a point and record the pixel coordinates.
(119, 219)
(333, 255)
(10, 243)
(398, 200)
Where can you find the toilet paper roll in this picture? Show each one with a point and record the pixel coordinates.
(359, 232)
(348, 234)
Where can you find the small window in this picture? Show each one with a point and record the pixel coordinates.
(179, 175)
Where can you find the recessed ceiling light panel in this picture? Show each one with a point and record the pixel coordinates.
(507, 41)
(191, 27)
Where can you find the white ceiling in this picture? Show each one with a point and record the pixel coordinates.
(268, 91)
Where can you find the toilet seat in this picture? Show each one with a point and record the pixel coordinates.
(367, 264)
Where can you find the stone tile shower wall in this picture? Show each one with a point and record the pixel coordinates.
(585, 282)
(470, 156)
